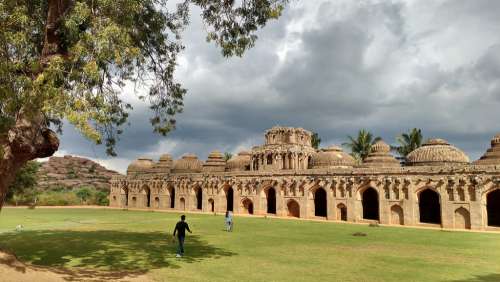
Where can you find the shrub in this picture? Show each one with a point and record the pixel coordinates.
(58, 199)
(101, 198)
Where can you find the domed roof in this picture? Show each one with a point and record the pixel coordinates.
(239, 162)
(492, 155)
(188, 163)
(165, 158)
(436, 152)
(380, 156)
(140, 165)
(332, 157)
(215, 162)
(164, 165)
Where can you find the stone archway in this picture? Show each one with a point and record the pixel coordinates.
(157, 203)
(429, 206)
(493, 208)
(147, 195)
(229, 199)
(271, 200)
(293, 208)
(369, 200)
(397, 215)
(172, 198)
(247, 206)
(341, 212)
(125, 197)
(462, 218)
(134, 202)
(320, 203)
(211, 204)
(182, 204)
(199, 198)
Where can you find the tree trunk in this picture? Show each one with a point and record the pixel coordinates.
(30, 138)
(27, 140)
(55, 14)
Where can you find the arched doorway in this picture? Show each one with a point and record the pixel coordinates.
(157, 202)
(293, 208)
(199, 198)
(134, 201)
(172, 198)
(229, 199)
(493, 208)
(211, 204)
(271, 200)
(147, 193)
(341, 212)
(183, 203)
(462, 218)
(247, 206)
(370, 204)
(125, 199)
(320, 202)
(429, 207)
(397, 215)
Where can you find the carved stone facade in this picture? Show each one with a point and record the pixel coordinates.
(286, 177)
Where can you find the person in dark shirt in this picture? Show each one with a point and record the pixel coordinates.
(180, 230)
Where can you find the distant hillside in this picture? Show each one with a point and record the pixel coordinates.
(73, 172)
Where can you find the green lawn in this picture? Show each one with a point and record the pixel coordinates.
(259, 249)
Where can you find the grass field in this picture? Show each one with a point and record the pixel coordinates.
(259, 249)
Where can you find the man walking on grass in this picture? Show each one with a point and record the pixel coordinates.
(180, 229)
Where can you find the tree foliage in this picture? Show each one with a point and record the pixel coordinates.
(84, 194)
(25, 181)
(70, 59)
(361, 145)
(408, 142)
(227, 156)
(315, 140)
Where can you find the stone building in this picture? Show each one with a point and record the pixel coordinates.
(438, 185)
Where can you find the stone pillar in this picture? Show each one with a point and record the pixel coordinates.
(330, 201)
(447, 211)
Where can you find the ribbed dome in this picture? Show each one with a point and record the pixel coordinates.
(492, 155)
(380, 156)
(188, 163)
(140, 165)
(165, 164)
(436, 152)
(332, 157)
(239, 162)
(215, 162)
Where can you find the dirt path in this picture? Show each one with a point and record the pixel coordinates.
(12, 270)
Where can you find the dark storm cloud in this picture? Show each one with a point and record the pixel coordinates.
(335, 67)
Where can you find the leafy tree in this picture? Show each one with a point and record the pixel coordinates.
(315, 140)
(101, 198)
(408, 142)
(67, 60)
(362, 144)
(84, 194)
(24, 182)
(227, 156)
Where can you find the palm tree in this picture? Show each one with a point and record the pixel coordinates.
(227, 156)
(362, 144)
(408, 142)
(315, 140)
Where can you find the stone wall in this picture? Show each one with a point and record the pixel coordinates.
(386, 195)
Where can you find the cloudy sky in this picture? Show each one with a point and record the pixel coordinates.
(333, 67)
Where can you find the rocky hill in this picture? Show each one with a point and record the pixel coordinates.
(73, 172)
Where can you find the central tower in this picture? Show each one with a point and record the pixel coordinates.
(284, 148)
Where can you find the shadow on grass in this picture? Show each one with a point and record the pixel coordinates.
(107, 254)
(482, 278)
